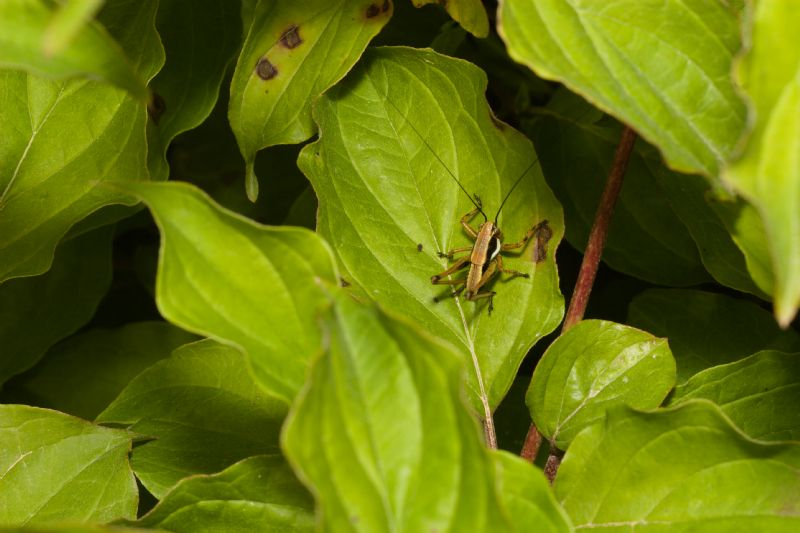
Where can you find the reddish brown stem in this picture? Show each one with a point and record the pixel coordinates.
(530, 449)
(597, 237)
(591, 260)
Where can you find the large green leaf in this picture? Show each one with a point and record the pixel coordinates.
(200, 39)
(469, 13)
(82, 375)
(294, 51)
(405, 455)
(661, 66)
(54, 467)
(37, 312)
(706, 329)
(645, 239)
(252, 286)
(257, 494)
(760, 394)
(203, 408)
(682, 469)
(62, 140)
(32, 37)
(595, 366)
(388, 135)
(768, 172)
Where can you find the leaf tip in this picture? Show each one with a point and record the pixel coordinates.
(251, 182)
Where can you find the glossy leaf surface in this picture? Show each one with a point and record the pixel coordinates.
(682, 469)
(389, 134)
(406, 456)
(203, 408)
(50, 180)
(470, 14)
(49, 466)
(661, 66)
(242, 283)
(595, 366)
(760, 393)
(257, 494)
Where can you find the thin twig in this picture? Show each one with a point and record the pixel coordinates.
(533, 440)
(586, 276)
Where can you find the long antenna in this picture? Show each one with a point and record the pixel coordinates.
(512, 189)
(471, 199)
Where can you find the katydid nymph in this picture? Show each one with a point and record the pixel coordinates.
(483, 260)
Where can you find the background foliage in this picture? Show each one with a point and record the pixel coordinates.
(219, 221)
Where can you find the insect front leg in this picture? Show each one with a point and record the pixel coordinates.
(530, 233)
(454, 251)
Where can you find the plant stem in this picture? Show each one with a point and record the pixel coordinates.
(597, 237)
(588, 272)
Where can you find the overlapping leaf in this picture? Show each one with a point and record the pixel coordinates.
(706, 329)
(593, 367)
(37, 312)
(661, 66)
(34, 35)
(62, 140)
(253, 286)
(258, 494)
(391, 133)
(50, 464)
(293, 52)
(470, 14)
(205, 411)
(82, 375)
(200, 40)
(768, 172)
(646, 239)
(760, 394)
(682, 469)
(405, 456)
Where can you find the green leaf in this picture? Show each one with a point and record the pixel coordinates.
(49, 180)
(74, 528)
(692, 200)
(228, 278)
(205, 411)
(257, 494)
(370, 453)
(54, 467)
(527, 495)
(646, 239)
(82, 375)
(200, 39)
(632, 59)
(759, 394)
(470, 14)
(768, 172)
(596, 366)
(706, 329)
(34, 35)
(682, 469)
(294, 51)
(384, 191)
(37, 312)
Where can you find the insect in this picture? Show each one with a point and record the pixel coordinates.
(484, 260)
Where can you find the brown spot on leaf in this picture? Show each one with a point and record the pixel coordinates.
(156, 107)
(343, 282)
(543, 234)
(373, 10)
(291, 37)
(265, 70)
(419, 247)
